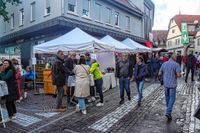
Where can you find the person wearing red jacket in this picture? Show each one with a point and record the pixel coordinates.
(184, 59)
(165, 59)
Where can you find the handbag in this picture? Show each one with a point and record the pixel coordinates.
(3, 88)
(197, 112)
(91, 79)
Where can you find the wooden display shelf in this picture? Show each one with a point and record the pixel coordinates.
(49, 88)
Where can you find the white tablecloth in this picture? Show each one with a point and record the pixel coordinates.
(3, 92)
(109, 80)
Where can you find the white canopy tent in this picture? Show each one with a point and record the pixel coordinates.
(75, 40)
(117, 44)
(129, 42)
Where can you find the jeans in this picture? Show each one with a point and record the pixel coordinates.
(81, 102)
(188, 71)
(60, 91)
(70, 93)
(124, 83)
(92, 91)
(99, 87)
(170, 97)
(140, 86)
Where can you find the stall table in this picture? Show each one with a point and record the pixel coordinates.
(109, 81)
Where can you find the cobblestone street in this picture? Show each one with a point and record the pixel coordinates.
(36, 114)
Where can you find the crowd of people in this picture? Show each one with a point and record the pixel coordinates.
(15, 77)
(76, 74)
(83, 77)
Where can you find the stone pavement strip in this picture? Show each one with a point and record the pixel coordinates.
(109, 120)
(148, 118)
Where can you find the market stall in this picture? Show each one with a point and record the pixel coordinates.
(69, 42)
(140, 48)
(118, 45)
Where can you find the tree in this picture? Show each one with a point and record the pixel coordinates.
(3, 5)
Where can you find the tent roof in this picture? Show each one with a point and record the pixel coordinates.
(129, 42)
(75, 40)
(117, 44)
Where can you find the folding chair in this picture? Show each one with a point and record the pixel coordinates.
(3, 92)
(3, 119)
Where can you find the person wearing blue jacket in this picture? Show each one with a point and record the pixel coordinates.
(30, 74)
(139, 74)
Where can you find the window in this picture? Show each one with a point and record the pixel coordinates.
(191, 28)
(21, 17)
(12, 21)
(33, 11)
(108, 15)
(198, 42)
(72, 5)
(127, 22)
(86, 8)
(147, 11)
(173, 31)
(116, 18)
(48, 7)
(176, 42)
(4, 29)
(191, 40)
(98, 12)
(179, 41)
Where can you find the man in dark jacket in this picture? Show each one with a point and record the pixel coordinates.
(140, 72)
(59, 73)
(70, 64)
(124, 72)
(179, 58)
(190, 64)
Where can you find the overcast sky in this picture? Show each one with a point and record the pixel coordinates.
(166, 9)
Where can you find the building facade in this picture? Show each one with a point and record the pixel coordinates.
(37, 21)
(197, 42)
(174, 35)
(160, 38)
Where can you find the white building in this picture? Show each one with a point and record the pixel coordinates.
(37, 21)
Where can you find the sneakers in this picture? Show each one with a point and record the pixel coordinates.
(129, 98)
(84, 112)
(169, 117)
(18, 101)
(77, 108)
(60, 110)
(93, 99)
(121, 102)
(25, 94)
(63, 106)
(99, 104)
(12, 117)
(139, 104)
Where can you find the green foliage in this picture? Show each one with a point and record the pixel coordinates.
(3, 4)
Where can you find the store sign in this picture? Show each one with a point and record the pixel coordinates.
(185, 38)
(13, 50)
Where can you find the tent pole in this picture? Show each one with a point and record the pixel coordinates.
(34, 81)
